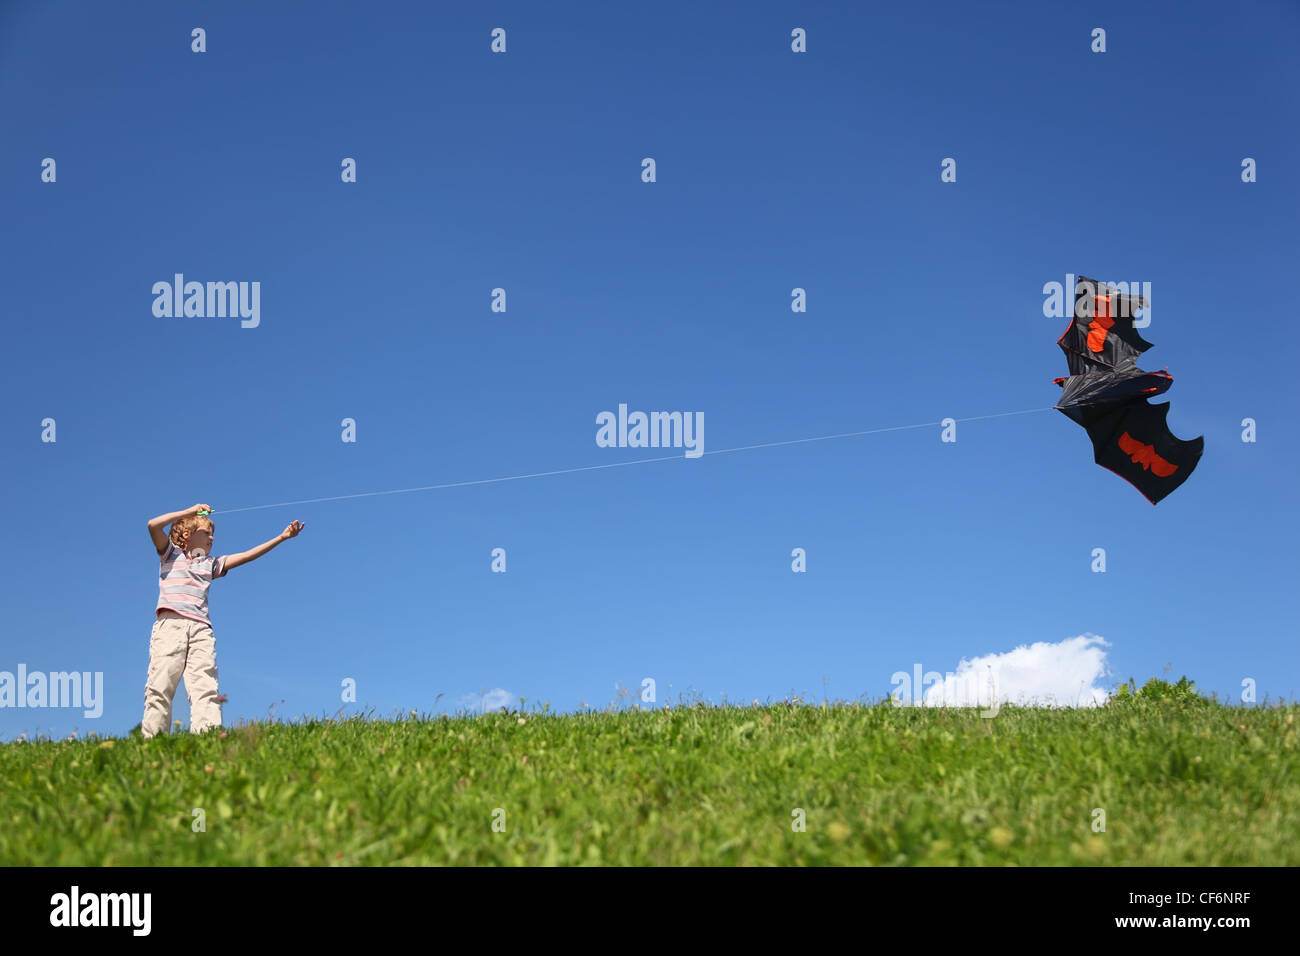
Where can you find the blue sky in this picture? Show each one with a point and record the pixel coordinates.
(775, 170)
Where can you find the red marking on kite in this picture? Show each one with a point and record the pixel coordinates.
(1145, 455)
(1100, 324)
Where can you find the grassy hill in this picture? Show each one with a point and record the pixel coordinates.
(1181, 782)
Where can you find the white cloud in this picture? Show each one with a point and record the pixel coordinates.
(494, 699)
(1042, 674)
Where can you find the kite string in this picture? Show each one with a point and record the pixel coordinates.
(621, 464)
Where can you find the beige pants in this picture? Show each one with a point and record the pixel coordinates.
(181, 647)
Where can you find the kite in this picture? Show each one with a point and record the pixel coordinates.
(1106, 393)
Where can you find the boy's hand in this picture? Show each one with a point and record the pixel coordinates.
(292, 530)
(197, 508)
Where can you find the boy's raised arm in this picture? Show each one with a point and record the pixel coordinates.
(157, 524)
(235, 560)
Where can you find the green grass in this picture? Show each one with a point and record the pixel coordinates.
(1182, 782)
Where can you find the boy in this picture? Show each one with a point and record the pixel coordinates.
(182, 642)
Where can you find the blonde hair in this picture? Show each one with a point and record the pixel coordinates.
(182, 526)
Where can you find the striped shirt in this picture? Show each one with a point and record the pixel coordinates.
(183, 583)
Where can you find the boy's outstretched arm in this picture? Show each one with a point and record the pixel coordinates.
(157, 524)
(235, 560)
